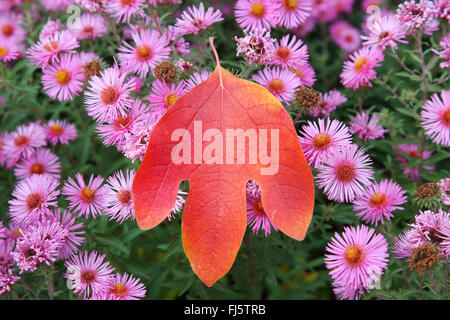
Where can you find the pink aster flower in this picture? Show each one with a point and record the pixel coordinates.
(114, 132)
(65, 80)
(122, 11)
(193, 20)
(305, 28)
(108, 95)
(344, 174)
(6, 258)
(60, 131)
(433, 226)
(92, 6)
(125, 287)
(416, 16)
(328, 102)
(72, 235)
(10, 27)
(366, 126)
(320, 140)
(89, 26)
(4, 136)
(195, 79)
(347, 37)
(443, 9)
(436, 118)
(292, 13)
(7, 279)
(47, 50)
(136, 141)
(359, 70)
(445, 53)
(85, 199)
(323, 11)
(256, 14)
(43, 161)
(257, 47)
(385, 32)
(412, 150)
(32, 199)
(367, 3)
(290, 53)
(119, 198)
(403, 246)
(281, 83)
(378, 201)
(344, 5)
(56, 5)
(181, 46)
(164, 95)
(89, 273)
(444, 186)
(22, 143)
(256, 216)
(150, 49)
(183, 66)
(39, 243)
(13, 231)
(8, 50)
(305, 73)
(356, 258)
(179, 203)
(50, 29)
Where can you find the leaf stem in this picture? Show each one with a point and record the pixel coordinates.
(154, 15)
(396, 57)
(49, 285)
(29, 289)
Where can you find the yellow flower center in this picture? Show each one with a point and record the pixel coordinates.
(21, 141)
(297, 71)
(276, 86)
(321, 141)
(283, 53)
(144, 53)
(124, 197)
(37, 168)
(119, 290)
(34, 200)
(62, 76)
(56, 130)
(290, 4)
(3, 51)
(51, 46)
(7, 29)
(170, 99)
(361, 64)
(345, 172)
(122, 122)
(258, 10)
(109, 95)
(378, 200)
(258, 208)
(354, 255)
(87, 194)
(445, 117)
(127, 2)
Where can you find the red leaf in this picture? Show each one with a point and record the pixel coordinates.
(214, 219)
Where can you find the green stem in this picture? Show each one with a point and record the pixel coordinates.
(49, 285)
(29, 289)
